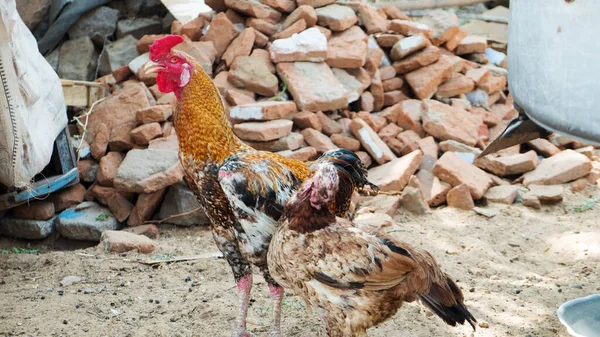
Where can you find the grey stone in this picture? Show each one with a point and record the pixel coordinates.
(78, 60)
(180, 199)
(147, 171)
(27, 229)
(412, 201)
(70, 280)
(53, 58)
(118, 54)
(101, 21)
(139, 27)
(86, 222)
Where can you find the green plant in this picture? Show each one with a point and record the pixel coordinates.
(16, 250)
(102, 217)
(586, 206)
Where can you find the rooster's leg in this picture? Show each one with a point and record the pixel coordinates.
(277, 296)
(244, 286)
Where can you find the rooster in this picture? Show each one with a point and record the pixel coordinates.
(241, 190)
(356, 279)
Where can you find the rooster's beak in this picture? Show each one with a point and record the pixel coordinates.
(152, 67)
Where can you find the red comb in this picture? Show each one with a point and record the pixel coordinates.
(162, 46)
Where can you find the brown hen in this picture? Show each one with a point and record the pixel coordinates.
(356, 279)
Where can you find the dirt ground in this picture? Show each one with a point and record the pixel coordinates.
(515, 268)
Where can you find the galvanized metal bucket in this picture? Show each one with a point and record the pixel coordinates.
(554, 64)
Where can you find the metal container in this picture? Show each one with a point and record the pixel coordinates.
(554, 64)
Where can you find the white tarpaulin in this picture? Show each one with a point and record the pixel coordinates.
(32, 105)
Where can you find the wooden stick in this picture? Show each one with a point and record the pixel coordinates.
(183, 258)
(407, 5)
(157, 222)
(463, 15)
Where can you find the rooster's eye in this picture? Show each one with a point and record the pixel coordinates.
(174, 59)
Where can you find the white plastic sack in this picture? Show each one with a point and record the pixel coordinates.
(32, 105)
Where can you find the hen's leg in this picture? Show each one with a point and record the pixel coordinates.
(244, 286)
(277, 297)
(242, 272)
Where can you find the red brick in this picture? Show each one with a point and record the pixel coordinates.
(318, 140)
(263, 131)
(240, 46)
(120, 137)
(408, 141)
(371, 141)
(119, 206)
(346, 142)
(330, 127)
(479, 75)
(255, 9)
(309, 45)
(388, 40)
(143, 44)
(87, 170)
(107, 170)
(394, 175)
(493, 84)
(220, 33)
(409, 28)
(409, 45)
(100, 143)
(393, 97)
(313, 86)
(429, 147)
(193, 29)
(157, 113)
(336, 17)
(546, 194)
(253, 74)
(285, 6)
(120, 242)
(460, 197)
(297, 27)
(377, 92)
(445, 122)
(262, 26)
(455, 171)
(307, 119)
(367, 102)
(303, 154)
(453, 42)
(347, 49)
(145, 207)
(68, 197)
(455, 86)
(143, 134)
(559, 169)
(471, 44)
(502, 194)
(444, 25)
(315, 3)
(508, 165)
(389, 131)
(34, 210)
(394, 13)
(303, 12)
(149, 231)
(426, 80)
(387, 73)
(418, 60)
(373, 21)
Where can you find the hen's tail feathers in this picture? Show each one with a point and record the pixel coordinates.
(446, 301)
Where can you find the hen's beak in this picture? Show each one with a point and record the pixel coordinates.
(152, 67)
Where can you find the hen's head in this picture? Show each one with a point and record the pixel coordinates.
(323, 186)
(173, 68)
(350, 167)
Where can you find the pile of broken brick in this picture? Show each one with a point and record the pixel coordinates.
(417, 100)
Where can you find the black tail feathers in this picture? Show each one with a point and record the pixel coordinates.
(447, 305)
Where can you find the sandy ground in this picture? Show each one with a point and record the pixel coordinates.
(515, 269)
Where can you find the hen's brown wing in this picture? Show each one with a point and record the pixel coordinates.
(346, 257)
